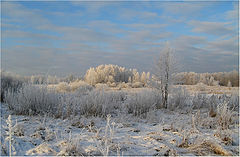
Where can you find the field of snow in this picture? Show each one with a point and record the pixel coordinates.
(162, 132)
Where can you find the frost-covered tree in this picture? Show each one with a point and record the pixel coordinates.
(143, 78)
(113, 74)
(91, 76)
(52, 79)
(211, 79)
(148, 76)
(163, 73)
(136, 77)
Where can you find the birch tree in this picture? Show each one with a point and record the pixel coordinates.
(165, 66)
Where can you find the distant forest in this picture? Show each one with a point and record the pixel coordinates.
(113, 74)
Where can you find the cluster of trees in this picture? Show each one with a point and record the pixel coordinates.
(48, 79)
(211, 79)
(114, 74)
(41, 79)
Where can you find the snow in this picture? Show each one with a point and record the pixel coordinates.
(161, 133)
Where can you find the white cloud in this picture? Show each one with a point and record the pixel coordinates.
(143, 26)
(129, 14)
(213, 28)
(233, 14)
(24, 34)
(183, 8)
(102, 41)
(17, 13)
(202, 55)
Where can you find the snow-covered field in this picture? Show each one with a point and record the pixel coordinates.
(162, 132)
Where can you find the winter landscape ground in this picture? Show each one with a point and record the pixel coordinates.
(85, 120)
(119, 78)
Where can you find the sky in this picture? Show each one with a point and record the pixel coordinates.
(62, 38)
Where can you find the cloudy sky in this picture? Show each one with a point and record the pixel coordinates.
(60, 38)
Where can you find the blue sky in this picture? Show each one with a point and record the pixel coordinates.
(69, 37)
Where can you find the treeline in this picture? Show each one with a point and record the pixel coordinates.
(110, 74)
(230, 79)
(39, 79)
(113, 75)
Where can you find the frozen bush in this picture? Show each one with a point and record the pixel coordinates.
(72, 148)
(143, 101)
(63, 87)
(201, 86)
(224, 116)
(101, 103)
(137, 85)
(234, 101)
(199, 101)
(215, 83)
(32, 99)
(112, 84)
(178, 98)
(83, 90)
(129, 85)
(77, 84)
(9, 82)
(124, 85)
(101, 86)
(94, 103)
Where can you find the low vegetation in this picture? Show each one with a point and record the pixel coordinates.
(123, 95)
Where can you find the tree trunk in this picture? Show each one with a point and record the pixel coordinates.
(166, 96)
(163, 98)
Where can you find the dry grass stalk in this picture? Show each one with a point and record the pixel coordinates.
(212, 113)
(194, 129)
(225, 136)
(207, 146)
(184, 143)
(224, 116)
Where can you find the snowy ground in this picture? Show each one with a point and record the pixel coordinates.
(163, 132)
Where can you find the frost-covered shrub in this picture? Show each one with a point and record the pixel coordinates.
(201, 86)
(73, 86)
(112, 84)
(94, 103)
(129, 85)
(101, 86)
(234, 101)
(215, 83)
(71, 148)
(143, 101)
(199, 101)
(77, 84)
(32, 100)
(137, 85)
(63, 87)
(224, 116)
(101, 103)
(83, 90)
(178, 98)
(124, 85)
(9, 82)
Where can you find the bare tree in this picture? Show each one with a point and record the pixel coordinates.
(164, 69)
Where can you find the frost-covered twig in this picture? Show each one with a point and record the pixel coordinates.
(10, 134)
